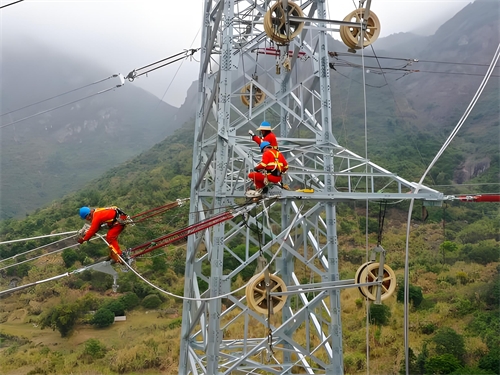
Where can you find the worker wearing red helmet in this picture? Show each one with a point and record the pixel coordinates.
(270, 169)
(266, 135)
(113, 217)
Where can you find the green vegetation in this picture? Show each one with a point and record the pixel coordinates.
(454, 287)
(103, 318)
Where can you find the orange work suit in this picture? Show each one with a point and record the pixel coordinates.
(109, 216)
(269, 137)
(274, 164)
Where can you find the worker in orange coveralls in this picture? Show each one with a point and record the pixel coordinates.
(270, 169)
(113, 217)
(266, 135)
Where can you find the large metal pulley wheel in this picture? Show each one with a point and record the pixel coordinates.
(256, 293)
(351, 35)
(275, 22)
(368, 273)
(257, 95)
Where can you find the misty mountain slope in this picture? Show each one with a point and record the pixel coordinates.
(49, 155)
(465, 41)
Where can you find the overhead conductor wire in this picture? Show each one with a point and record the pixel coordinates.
(6, 5)
(287, 233)
(60, 106)
(440, 152)
(56, 96)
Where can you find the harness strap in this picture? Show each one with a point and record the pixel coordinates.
(118, 214)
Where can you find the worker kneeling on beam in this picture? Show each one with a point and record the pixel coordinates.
(270, 169)
(112, 217)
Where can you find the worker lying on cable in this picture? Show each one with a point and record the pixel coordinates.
(270, 169)
(112, 217)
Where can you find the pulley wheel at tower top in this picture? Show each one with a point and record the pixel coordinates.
(256, 293)
(351, 35)
(257, 95)
(275, 22)
(369, 274)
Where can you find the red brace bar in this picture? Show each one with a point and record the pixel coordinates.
(181, 233)
(479, 198)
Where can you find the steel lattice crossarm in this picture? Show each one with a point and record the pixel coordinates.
(263, 60)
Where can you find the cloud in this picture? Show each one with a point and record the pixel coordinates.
(122, 35)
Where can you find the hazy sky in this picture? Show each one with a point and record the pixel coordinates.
(122, 35)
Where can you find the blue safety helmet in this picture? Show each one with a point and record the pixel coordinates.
(263, 145)
(84, 212)
(265, 126)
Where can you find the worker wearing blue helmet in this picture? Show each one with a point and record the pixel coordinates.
(112, 217)
(270, 169)
(266, 134)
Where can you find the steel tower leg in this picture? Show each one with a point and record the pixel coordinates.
(295, 230)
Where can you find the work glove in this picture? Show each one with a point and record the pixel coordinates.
(251, 133)
(80, 240)
(256, 169)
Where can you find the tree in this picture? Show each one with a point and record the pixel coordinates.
(159, 264)
(69, 257)
(442, 364)
(447, 247)
(412, 364)
(448, 341)
(103, 318)
(415, 295)
(62, 318)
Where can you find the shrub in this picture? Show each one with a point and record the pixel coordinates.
(484, 252)
(462, 277)
(491, 361)
(115, 306)
(176, 323)
(379, 314)
(94, 348)
(103, 318)
(129, 300)
(151, 301)
(428, 328)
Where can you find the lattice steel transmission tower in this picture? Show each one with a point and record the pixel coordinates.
(260, 62)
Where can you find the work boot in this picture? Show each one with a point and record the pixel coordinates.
(265, 189)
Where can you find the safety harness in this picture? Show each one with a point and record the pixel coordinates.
(118, 216)
(278, 166)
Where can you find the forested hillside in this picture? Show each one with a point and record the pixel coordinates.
(454, 290)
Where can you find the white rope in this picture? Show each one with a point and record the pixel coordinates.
(49, 253)
(440, 152)
(40, 256)
(222, 295)
(35, 249)
(35, 238)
